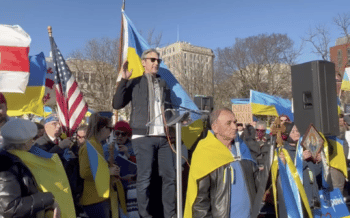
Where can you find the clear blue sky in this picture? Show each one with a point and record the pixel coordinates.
(204, 23)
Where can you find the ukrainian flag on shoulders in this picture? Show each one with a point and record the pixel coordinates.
(50, 176)
(345, 85)
(30, 102)
(133, 47)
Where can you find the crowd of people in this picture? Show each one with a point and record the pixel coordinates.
(128, 169)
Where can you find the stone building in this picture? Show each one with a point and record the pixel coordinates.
(191, 65)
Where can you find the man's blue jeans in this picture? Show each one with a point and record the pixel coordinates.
(148, 149)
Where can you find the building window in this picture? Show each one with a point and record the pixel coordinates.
(340, 58)
(185, 63)
(173, 49)
(185, 55)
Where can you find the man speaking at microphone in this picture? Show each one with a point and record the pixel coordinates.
(147, 95)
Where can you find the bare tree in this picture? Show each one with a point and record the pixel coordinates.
(95, 67)
(259, 62)
(195, 75)
(343, 22)
(152, 39)
(319, 38)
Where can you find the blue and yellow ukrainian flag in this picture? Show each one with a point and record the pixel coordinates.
(31, 101)
(338, 105)
(50, 176)
(264, 104)
(337, 157)
(289, 192)
(133, 47)
(240, 101)
(345, 85)
(99, 169)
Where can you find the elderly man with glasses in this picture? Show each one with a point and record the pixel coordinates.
(148, 95)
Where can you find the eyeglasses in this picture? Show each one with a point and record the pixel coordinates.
(118, 133)
(260, 130)
(155, 59)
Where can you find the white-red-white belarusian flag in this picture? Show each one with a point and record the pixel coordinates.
(14, 59)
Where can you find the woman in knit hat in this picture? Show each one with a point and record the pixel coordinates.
(20, 195)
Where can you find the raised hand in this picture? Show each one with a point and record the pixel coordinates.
(124, 70)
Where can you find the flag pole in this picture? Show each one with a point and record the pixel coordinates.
(121, 41)
(49, 30)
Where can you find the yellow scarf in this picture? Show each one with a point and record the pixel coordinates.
(50, 176)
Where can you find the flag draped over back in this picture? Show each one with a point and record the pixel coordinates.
(346, 80)
(133, 47)
(31, 101)
(50, 176)
(14, 60)
(71, 105)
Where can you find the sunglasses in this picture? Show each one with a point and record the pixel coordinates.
(118, 133)
(155, 59)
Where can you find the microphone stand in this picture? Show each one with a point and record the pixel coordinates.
(177, 121)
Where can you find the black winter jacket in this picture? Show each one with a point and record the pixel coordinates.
(214, 195)
(19, 195)
(136, 91)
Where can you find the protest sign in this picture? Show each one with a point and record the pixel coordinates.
(243, 113)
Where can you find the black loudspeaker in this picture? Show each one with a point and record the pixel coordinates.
(314, 97)
(204, 103)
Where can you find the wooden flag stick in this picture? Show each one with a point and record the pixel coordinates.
(121, 41)
(49, 29)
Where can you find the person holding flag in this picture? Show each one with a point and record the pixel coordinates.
(95, 171)
(149, 95)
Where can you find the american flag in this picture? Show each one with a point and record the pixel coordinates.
(71, 106)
